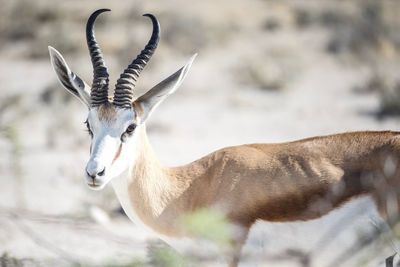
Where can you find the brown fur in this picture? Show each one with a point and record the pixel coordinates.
(117, 154)
(106, 112)
(284, 182)
(137, 107)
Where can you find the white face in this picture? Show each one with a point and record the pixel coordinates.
(112, 128)
(113, 137)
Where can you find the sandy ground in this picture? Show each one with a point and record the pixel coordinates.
(48, 216)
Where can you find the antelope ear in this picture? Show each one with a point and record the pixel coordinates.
(68, 79)
(150, 100)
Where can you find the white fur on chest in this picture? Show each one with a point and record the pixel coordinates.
(120, 185)
(184, 245)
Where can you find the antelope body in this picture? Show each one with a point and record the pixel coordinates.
(292, 181)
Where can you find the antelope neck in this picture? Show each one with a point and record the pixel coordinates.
(149, 191)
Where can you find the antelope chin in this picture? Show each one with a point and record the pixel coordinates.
(96, 186)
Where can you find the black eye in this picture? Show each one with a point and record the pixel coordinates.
(130, 128)
(128, 132)
(88, 128)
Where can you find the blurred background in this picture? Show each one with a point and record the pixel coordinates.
(266, 71)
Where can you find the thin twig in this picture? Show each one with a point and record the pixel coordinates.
(42, 242)
(337, 227)
(359, 245)
(80, 223)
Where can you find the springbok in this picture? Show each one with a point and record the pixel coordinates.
(282, 182)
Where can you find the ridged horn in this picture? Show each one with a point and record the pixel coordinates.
(126, 83)
(99, 92)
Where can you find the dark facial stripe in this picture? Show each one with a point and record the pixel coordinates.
(117, 155)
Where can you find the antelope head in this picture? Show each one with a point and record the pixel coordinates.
(112, 122)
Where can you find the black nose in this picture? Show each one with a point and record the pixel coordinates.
(102, 172)
(94, 174)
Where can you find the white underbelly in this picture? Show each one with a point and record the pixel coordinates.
(335, 233)
(273, 238)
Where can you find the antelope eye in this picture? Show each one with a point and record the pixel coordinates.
(88, 128)
(131, 128)
(128, 132)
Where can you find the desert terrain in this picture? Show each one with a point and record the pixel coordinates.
(267, 71)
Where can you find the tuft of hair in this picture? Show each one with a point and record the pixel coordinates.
(106, 111)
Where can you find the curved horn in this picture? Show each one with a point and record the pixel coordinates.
(99, 93)
(126, 83)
